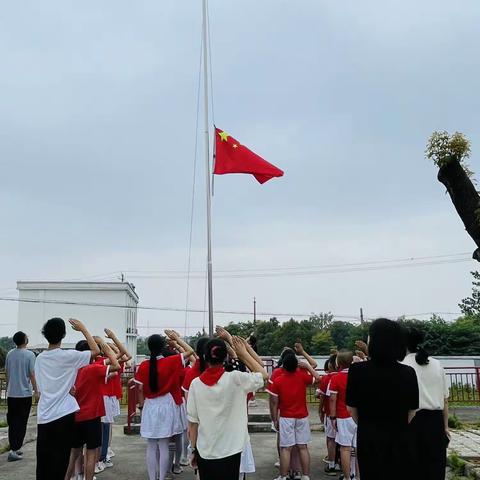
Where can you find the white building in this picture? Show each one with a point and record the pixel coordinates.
(98, 305)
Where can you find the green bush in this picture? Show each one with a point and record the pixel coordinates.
(454, 422)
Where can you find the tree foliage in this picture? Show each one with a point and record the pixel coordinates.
(442, 148)
(6, 343)
(471, 305)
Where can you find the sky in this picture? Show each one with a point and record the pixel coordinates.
(97, 147)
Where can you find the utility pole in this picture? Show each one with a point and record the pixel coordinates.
(361, 315)
(254, 310)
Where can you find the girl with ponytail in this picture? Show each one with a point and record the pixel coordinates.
(157, 379)
(429, 433)
(217, 411)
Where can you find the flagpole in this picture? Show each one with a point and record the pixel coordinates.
(207, 172)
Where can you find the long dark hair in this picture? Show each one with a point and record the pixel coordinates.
(156, 344)
(200, 351)
(215, 352)
(387, 343)
(414, 338)
(287, 351)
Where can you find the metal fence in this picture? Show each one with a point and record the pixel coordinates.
(464, 383)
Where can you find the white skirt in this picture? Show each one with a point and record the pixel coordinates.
(182, 412)
(247, 462)
(112, 409)
(160, 418)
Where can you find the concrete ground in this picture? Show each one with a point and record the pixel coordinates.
(129, 462)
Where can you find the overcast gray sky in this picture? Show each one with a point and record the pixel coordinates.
(97, 134)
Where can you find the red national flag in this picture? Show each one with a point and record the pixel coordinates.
(232, 157)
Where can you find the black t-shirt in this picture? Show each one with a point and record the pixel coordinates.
(382, 393)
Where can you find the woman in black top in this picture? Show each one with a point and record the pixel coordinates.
(382, 396)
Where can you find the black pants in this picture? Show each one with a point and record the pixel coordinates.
(54, 440)
(428, 445)
(17, 419)
(227, 468)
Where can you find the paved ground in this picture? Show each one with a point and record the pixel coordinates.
(130, 464)
(466, 443)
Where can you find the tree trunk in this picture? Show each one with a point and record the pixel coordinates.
(464, 197)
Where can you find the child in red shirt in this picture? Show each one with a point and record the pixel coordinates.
(290, 413)
(346, 428)
(324, 412)
(88, 393)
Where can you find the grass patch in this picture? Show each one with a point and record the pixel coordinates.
(5, 449)
(454, 422)
(456, 464)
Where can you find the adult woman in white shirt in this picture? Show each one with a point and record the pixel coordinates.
(429, 428)
(217, 411)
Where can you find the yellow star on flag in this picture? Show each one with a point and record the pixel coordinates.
(224, 136)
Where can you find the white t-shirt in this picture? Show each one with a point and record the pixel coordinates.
(56, 372)
(432, 383)
(221, 413)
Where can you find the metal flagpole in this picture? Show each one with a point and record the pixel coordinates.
(207, 172)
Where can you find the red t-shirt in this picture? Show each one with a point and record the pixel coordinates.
(291, 390)
(275, 374)
(117, 382)
(109, 388)
(338, 385)
(190, 375)
(177, 392)
(323, 387)
(88, 391)
(168, 372)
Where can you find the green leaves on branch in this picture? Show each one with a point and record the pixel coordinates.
(443, 148)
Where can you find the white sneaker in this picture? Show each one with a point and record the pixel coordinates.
(108, 463)
(177, 470)
(277, 464)
(110, 453)
(99, 467)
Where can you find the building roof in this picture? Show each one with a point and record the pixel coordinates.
(65, 286)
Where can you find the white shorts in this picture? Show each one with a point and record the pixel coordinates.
(294, 431)
(346, 432)
(112, 409)
(330, 431)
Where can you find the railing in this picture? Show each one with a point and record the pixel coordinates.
(132, 395)
(464, 383)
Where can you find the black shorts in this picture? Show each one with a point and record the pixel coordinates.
(87, 433)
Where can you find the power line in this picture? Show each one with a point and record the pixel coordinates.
(325, 271)
(307, 267)
(201, 311)
(161, 308)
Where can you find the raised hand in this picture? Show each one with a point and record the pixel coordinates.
(77, 325)
(238, 345)
(109, 334)
(98, 340)
(361, 345)
(298, 348)
(172, 334)
(223, 334)
(360, 354)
